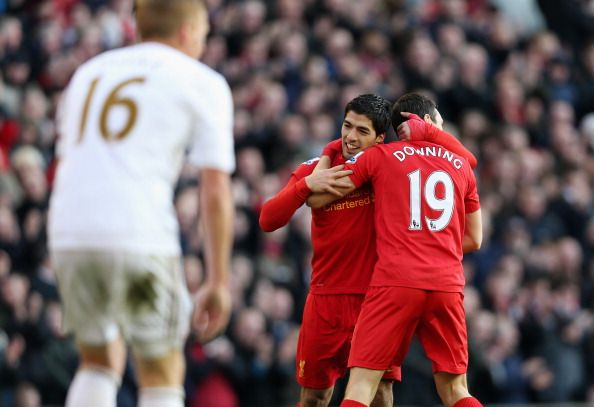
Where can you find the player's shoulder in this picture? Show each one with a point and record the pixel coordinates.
(311, 162)
(158, 57)
(105, 58)
(368, 153)
(196, 70)
(306, 167)
(308, 164)
(201, 80)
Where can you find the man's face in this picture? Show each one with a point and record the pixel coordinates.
(357, 134)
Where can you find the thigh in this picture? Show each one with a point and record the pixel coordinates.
(442, 332)
(88, 284)
(156, 305)
(108, 294)
(388, 319)
(324, 339)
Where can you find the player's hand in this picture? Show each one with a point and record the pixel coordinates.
(328, 180)
(414, 129)
(212, 310)
(333, 149)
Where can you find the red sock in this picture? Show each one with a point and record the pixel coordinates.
(468, 402)
(351, 403)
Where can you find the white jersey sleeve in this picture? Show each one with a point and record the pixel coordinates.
(212, 135)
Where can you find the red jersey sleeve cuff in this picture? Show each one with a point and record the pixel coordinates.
(472, 207)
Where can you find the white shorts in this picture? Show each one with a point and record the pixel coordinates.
(144, 298)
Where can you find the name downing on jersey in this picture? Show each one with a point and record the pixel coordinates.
(428, 151)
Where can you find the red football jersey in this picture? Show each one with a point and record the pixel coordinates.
(343, 240)
(423, 193)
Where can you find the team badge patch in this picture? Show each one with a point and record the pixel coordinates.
(353, 159)
(311, 161)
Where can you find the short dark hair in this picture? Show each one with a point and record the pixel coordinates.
(375, 108)
(413, 103)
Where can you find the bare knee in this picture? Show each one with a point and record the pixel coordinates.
(315, 397)
(111, 356)
(451, 387)
(384, 397)
(163, 371)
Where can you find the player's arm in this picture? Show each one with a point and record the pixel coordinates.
(322, 199)
(278, 210)
(473, 232)
(217, 212)
(212, 152)
(416, 129)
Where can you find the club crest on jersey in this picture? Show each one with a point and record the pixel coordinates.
(353, 159)
(312, 161)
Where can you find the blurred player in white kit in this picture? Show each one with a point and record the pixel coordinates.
(125, 122)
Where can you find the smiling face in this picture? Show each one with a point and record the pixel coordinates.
(357, 134)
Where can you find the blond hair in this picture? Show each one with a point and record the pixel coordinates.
(161, 18)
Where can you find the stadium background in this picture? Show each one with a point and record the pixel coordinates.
(514, 80)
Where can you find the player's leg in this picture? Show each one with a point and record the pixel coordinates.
(315, 397)
(384, 396)
(158, 313)
(323, 346)
(99, 374)
(87, 290)
(160, 379)
(442, 333)
(375, 347)
(363, 384)
(453, 390)
(164, 371)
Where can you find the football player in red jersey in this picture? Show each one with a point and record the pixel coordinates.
(340, 274)
(427, 214)
(341, 266)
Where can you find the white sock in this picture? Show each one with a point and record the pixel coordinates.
(161, 397)
(93, 388)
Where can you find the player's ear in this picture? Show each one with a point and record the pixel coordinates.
(185, 33)
(379, 138)
(427, 118)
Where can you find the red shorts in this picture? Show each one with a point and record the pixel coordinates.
(325, 340)
(390, 316)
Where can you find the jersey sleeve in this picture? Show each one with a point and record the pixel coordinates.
(361, 165)
(453, 144)
(212, 130)
(471, 200)
(278, 210)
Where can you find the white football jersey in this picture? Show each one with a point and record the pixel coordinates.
(125, 122)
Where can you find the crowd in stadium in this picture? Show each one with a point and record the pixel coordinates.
(513, 80)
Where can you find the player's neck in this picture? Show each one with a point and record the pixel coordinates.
(171, 42)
